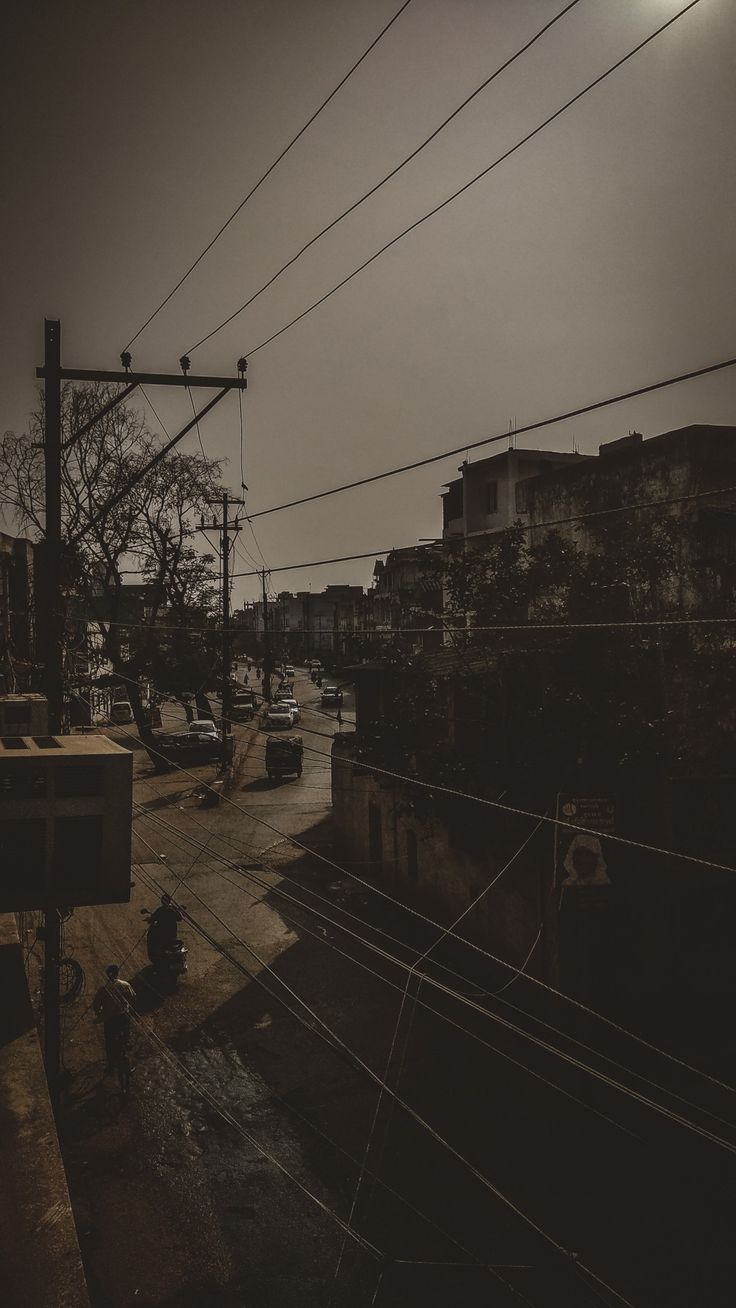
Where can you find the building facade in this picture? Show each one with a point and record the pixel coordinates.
(648, 764)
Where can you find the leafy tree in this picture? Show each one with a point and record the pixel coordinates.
(529, 707)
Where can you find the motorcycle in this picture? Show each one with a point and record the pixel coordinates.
(169, 960)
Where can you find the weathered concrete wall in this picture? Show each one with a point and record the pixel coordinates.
(454, 859)
(40, 1261)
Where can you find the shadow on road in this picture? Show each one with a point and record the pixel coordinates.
(260, 783)
(151, 990)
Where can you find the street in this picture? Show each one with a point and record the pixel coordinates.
(219, 1181)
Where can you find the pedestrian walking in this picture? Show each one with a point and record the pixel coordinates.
(113, 1003)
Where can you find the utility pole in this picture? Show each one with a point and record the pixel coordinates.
(267, 660)
(51, 608)
(52, 629)
(225, 528)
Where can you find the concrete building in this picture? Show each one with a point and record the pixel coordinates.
(407, 594)
(484, 497)
(641, 924)
(306, 623)
(687, 475)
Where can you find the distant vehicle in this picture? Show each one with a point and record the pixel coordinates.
(314, 665)
(203, 726)
(284, 756)
(121, 713)
(279, 715)
(331, 695)
(188, 748)
(293, 704)
(289, 670)
(244, 705)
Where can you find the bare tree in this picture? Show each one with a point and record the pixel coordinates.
(148, 533)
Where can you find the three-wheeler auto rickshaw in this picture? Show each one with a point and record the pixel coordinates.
(284, 756)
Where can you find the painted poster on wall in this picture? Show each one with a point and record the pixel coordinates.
(580, 856)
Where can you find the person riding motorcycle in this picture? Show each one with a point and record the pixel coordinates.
(163, 928)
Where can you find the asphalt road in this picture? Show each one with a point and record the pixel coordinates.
(220, 1179)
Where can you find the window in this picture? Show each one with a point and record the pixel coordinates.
(491, 490)
(412, 862)
(21, 783)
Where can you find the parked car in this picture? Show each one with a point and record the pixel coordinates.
(292, 703)
(331, 695)
(284, 756)
(289, 670)
(121, 713)
(204, 726)
(279, 715)
(188, 747)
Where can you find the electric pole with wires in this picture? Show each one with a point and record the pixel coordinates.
(55, 550)
(267, 658)
(225, 528)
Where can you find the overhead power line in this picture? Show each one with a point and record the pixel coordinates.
(265, 175)
(178, 835)
(502, 436)
(432, 631)
(536, 982)
(215, 944)
(327, 1035)
(464, 998)
(439, 926)
(450, 198)
(388, 176)
(363, 764)
(322, 1031)
(221, 1109)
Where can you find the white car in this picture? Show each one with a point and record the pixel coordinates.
(280, 715)
(121, 713)
(293, 705)
(204, 727)
(331, 695)
(289, 670)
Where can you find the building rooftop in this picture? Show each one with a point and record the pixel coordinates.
(53, 746)
(522, 456)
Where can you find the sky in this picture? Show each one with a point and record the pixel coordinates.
(598, 258)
